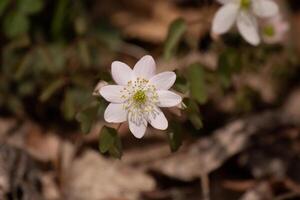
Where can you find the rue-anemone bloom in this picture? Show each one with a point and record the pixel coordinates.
(138, 95)
(244, 13)
(275, 30)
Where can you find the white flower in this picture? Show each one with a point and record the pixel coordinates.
(138, 96)
(275, 29)
(244, 13)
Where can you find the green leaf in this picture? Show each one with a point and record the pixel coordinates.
(60, 15)
(196, 78)
(74, 99)
(176, 31)
(245, 99)
(51, 89)
(52, 58)
(58, 57)
(23, 66)
(30, 6)
(175, 136)
(68, 105)
(194, 114)
(181, 84)
(87, 116)
(116, 150)
(110, 142)
(196, 120)
(15, 24)
(26, 88)
(229, 63)
(107, 138)
(108, 35)
(84, 53)
(3, 5)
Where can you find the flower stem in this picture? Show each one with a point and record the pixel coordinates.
(205, 186)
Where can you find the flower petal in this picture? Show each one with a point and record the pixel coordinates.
(138, 130)
(112, 93)
(145, 67)
(158, 120)
(98, 87)
(121, 73)
(224, 18)
(224, 1)
(265, 8)
(247, 26)
(115, 113)
(168, 99)
(163, 81)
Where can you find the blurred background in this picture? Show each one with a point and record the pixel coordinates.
(237, 135)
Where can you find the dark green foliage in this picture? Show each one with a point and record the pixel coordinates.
(30, 6)
(196, 77)
(59, 19)
(110, 142)
(3, 5)
(175, 136)
(15, 24)
(53, 53)
(193, 113)
(16, 20)
(51, 89)
(87, 116)
(46, 70)
(176, 31)
(229, 63)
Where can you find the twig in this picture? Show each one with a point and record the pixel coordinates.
(210, 153)
(205, 186)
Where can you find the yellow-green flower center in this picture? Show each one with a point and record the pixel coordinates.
(140, 100)
(139, 97)
(269, 31)
(245, 4)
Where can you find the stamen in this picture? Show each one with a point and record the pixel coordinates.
(245, 4)
(139, 96)
(269, 31)
(141, 100)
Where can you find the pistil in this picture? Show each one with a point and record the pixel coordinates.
(269, 31)
(245, 4)
(140, 97)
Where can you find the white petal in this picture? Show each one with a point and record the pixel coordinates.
(145, 67)
(115, 113)
(112, 93)
(227, 1)
(224, 18)
(137, 130)
(98, 87)
(248, 28)
(168, 99)
(158, 121)
(265, 8)
(121, 73)
(222, 1)
(163, 81)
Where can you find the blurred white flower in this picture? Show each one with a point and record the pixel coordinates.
(99, 85)
(244, 13)
(138, 96)
(274, 30)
